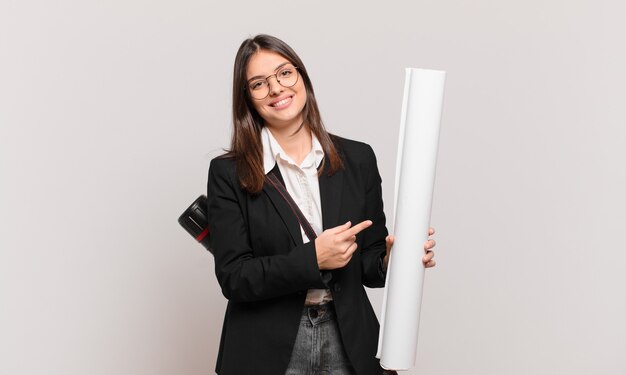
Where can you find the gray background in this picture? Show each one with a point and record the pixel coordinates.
(111, 110)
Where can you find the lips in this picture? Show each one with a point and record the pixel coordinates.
(281, 102)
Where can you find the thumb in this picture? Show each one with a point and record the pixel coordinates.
(389, 242)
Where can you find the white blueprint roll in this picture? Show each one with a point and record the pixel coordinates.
(415, 180)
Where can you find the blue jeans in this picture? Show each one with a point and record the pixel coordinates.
(318, 349)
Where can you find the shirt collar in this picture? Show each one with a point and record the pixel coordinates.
(272, 151)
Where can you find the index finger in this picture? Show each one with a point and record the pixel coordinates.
(355, 229)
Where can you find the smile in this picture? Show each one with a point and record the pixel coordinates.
(282, 103)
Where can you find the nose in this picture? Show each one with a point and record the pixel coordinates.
(275, 87)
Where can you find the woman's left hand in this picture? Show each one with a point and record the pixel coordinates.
(428, 246)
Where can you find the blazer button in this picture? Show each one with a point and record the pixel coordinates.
(337, 288)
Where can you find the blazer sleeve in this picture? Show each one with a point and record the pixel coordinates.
(244, 277)
(374, 247)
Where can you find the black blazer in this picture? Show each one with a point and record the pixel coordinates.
(264, 269)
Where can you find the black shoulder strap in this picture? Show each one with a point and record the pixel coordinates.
(304, 223)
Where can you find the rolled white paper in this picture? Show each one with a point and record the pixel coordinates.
(415, 180)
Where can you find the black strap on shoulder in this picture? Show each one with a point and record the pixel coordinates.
(282, 190)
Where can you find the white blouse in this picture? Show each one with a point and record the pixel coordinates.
(302, 184)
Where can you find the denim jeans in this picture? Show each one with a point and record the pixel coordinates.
(318, 349)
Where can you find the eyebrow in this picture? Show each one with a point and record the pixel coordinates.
(278, 67)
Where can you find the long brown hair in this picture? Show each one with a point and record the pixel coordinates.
(246, 145)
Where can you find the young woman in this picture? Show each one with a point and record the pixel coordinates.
(295, 305)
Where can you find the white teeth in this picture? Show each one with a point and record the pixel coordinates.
(282, 102)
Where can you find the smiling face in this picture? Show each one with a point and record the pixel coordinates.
(282, 108)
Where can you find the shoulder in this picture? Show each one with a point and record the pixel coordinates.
(354, 151)
(359, 160)
(223, 167)
(224, 161)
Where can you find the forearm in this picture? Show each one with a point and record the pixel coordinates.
(374, 247)
(244, 278)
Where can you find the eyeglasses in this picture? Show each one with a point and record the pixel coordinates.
(259, 88)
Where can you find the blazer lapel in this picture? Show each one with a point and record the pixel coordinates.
(330, 195)
(285, 212)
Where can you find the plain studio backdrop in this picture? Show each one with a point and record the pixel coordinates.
(110, 112)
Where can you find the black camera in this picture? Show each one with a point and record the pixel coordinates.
(194, 221)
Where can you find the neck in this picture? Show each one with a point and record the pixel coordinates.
(297, 145)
